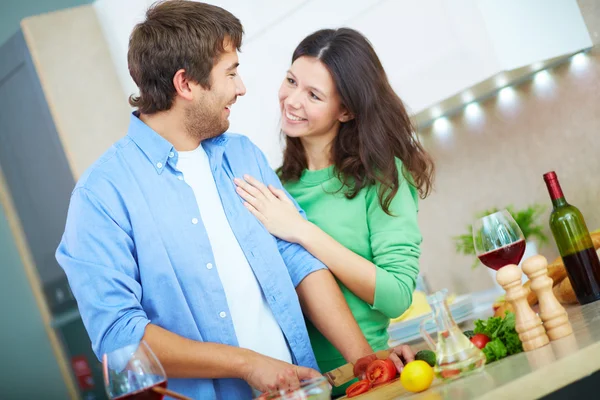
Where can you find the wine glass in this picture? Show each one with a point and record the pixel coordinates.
(133, 373)
(498, 240)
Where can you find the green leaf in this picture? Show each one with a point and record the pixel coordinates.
(494, 350)
(488, 327)
(509, 321)
(512, 342)
(504, 339)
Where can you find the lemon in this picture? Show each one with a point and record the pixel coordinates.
(416, 376)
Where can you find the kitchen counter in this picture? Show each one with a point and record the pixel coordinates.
(528, 375)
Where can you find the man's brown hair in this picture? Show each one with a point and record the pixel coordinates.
(177, 34)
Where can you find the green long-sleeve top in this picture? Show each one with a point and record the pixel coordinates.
(392, 243)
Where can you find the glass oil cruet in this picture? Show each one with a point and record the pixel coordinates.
(456, 356)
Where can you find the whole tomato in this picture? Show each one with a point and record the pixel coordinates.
(480, 340)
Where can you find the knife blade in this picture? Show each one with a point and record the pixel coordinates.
(345, 373)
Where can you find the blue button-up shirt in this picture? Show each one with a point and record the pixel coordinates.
(134, 252)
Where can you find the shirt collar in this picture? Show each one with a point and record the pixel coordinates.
(214, 148)
(158, 149)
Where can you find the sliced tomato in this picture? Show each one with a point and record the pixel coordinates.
(449, 373)
(357, 388)
(381, 371)
(361, 365)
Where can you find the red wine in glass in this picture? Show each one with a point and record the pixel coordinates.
(498, 240)
(509, 254)
(144, 394)
(133, 372)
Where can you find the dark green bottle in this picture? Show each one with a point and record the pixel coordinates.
(574, 244)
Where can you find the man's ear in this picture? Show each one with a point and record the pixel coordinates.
(183, 86)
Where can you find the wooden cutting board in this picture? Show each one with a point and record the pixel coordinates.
(390, 390)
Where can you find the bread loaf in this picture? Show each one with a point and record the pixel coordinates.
(564, 292)
(596, 239)
(502, 307)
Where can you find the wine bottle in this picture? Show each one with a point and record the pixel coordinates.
(574, 244)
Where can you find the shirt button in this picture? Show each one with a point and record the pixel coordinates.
(180, 177)
(209, 265)
(159, 165)
(222, 314)
(194, 221)
(171, 155)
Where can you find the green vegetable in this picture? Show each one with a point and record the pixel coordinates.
(504, 339)
(469, 334)
(426, 355)
(494, 350)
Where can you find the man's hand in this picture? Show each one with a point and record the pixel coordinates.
(267, 374)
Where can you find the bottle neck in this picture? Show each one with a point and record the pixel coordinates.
(560, 202)
(556, 193)
(443, 317)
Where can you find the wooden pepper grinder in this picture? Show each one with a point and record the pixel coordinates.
(553, 314)
(528, 324)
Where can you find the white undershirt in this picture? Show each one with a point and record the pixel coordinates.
(255, 326)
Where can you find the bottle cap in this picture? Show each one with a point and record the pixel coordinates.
(553, 186)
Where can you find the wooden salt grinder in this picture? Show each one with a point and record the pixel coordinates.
(552, 313)
(528, 324)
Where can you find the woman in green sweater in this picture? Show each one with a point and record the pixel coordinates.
(354, 164)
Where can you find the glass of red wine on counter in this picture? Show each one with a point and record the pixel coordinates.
(498, 240)
(134, 373)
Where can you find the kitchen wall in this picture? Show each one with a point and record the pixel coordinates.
(495, 153)
(431, 49)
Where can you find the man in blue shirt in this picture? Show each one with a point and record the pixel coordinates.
(159, 247)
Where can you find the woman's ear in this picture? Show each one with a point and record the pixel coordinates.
(345, 116)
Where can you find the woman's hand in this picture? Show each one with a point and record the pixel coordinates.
(272, 208)
(400, 356)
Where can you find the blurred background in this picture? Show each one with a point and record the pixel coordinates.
(502, 91)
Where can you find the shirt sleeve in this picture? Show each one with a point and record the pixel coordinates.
(300, 263)
(396, 246)
(97, 256)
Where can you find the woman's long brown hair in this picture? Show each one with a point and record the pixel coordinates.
(364, 150)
